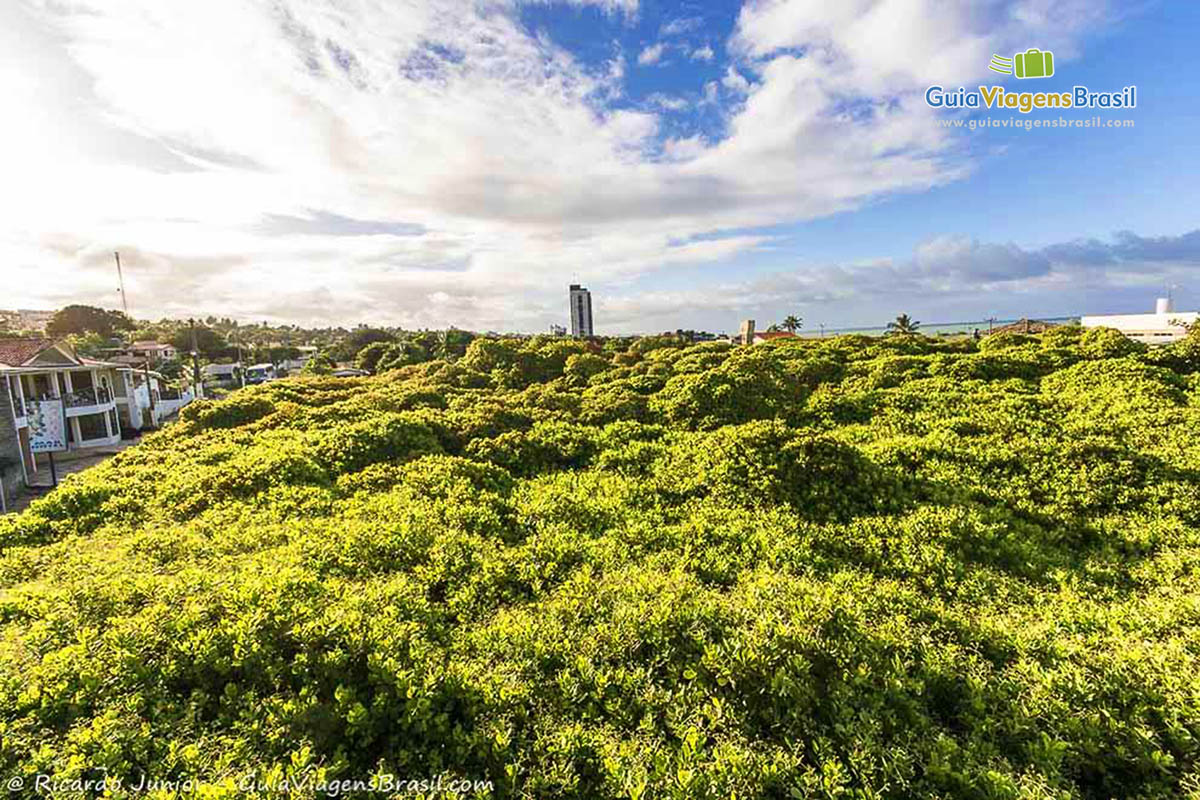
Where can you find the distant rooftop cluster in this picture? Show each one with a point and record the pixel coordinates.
(24, 319)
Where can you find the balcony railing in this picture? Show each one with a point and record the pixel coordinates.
(87, 397)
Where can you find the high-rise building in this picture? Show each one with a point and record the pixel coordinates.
(581, 311)
(747, 332)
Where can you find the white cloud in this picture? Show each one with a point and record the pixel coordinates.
(889, 45)
(951, 271)
(626, 7)
(734, 81)
(704, 53)
(681, 25)
(430, 147)
(666, 102)
(651, 54)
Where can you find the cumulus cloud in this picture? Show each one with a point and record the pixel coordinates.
(651, 54)
(345, 158)
(704, 53)
(735, 81)
(958, 271)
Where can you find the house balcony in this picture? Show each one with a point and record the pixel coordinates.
(88, 401)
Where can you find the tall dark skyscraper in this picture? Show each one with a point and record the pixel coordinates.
(581, 311)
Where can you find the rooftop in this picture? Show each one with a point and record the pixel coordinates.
(1024, 325)
(16, 352)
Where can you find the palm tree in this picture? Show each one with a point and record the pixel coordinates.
(793, 323)
(903, 326)
(442, 349)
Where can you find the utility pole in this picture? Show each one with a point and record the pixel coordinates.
(121, 282)
(241, 370)
(150, 392)
(990, 321)
(195, 357)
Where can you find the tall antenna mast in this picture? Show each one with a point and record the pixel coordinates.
(121, 281)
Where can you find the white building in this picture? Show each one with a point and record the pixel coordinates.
(581, 312)
(224, 376)
(1164, 326)
(746, 334)
(152, 351)
(47, 383)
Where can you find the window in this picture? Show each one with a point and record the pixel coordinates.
(91, 426)
(81, 381)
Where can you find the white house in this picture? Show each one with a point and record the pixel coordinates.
(151, 399)
(99, 399)
(1164, 326)
(37, 370)
(154, 351)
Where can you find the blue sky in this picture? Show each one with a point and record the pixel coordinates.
(437, 163)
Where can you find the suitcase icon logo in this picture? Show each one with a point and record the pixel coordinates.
(1033, 63)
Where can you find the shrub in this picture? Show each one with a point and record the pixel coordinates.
(1101, 343)
(241, 408)
(393, 437)
(843, 567)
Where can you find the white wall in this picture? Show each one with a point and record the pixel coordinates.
(165, 408)
(1148, 328)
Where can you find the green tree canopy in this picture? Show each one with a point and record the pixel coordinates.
(81, 320)
(348, 348)
(368, 357)
(209, 343)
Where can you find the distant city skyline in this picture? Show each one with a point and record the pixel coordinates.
(691, 165)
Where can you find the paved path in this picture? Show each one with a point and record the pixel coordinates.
(64, 467)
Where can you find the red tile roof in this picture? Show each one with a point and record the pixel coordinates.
(15, 352)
